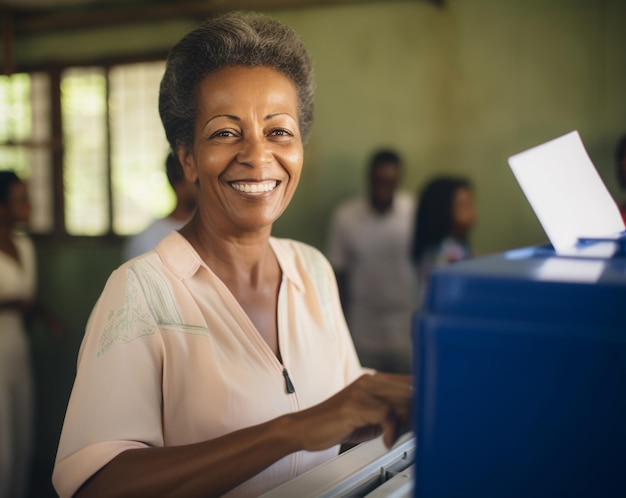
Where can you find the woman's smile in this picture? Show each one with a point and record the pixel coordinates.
(256, 188)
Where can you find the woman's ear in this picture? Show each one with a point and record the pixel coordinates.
(188, 163)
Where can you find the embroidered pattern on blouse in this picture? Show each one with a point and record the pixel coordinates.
(128, 322)
(133, 320)
(157, 293)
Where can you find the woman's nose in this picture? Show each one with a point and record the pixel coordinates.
(255, 151)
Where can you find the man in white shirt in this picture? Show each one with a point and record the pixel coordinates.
(368, 246)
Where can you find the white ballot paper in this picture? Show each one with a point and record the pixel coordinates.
(566, 192)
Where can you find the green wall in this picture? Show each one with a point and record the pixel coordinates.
(71, 277)
(457, 89)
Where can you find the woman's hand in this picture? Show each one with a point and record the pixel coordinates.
(372, 405)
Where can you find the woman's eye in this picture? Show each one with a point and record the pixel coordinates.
(281, 132)
(223, 134)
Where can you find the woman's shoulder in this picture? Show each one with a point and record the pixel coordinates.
(146, 267)
(22, 238)
(306, 266)
(24, 243)
(298, 259)
(296, 249)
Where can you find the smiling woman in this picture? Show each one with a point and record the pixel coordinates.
(220, 363)
(247, 153)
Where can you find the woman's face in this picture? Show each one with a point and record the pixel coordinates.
(463, 211)
(17, 208)
(247, 153)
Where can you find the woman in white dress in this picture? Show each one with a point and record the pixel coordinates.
(17, 288)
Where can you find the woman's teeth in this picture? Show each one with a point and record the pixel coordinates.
(254, 188)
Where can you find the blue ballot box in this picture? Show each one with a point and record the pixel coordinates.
(521, 377)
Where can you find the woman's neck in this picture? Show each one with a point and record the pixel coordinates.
(237, 259)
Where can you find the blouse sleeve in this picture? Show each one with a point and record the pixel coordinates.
(115, 404)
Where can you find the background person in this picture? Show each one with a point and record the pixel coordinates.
(368, 246)
(186, 199)
(17, 293)
(220, 363)
(445, 217)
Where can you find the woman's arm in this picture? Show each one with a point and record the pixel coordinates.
(206, 469)
(372, 405)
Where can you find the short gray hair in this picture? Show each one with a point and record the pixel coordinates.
(235, 38)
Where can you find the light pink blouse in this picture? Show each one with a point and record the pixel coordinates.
(169, 358)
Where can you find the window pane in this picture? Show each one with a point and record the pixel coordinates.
(25, 131)
(15, 159)
(85, 173)
(15, 123)
(140, 189)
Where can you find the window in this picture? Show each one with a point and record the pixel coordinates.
(25, 140)
(85, 170)
(113, 147)
(138, 147)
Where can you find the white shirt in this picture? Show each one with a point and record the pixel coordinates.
(149, 238)
(373, 249)
(17, 281)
